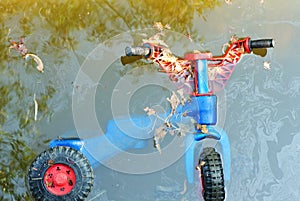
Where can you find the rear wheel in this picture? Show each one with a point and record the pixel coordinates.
(60, 173)
(212, 178)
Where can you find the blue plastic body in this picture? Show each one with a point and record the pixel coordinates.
(202, 73)
(203, 109)
(104, 146)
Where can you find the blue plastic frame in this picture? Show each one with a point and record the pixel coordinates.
(202, 108)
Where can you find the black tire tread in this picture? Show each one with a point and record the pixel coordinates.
(66, 155)
(212, 173)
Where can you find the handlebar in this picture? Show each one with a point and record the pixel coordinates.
(180, 68)
(231, 56)
(261, 43)
(138, 51)
(145, 50)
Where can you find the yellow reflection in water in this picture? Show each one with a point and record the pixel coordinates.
(62, 25)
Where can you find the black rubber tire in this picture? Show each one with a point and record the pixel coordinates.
(60, 155)
(212, 175)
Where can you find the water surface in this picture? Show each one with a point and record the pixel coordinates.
(262, 106)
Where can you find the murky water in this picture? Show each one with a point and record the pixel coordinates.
(262, 106)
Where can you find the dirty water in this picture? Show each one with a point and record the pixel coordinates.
(260, 114)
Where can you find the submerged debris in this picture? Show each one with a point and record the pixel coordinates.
(160, 27)
(267, 65)
(180, 72)
(188, 35)
(21, 48)
(155, 39)
(36, 106)
(184, 187)
(169, 192)
(159, 134)
(149, 111)
(174, 101)
(183, 97)
(166, 127)
(229, 2)
(167, 26)
(40, 65)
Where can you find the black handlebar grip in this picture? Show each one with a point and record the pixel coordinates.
(137, 51)
(261, 43)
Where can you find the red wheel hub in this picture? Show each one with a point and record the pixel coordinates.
(59, 179)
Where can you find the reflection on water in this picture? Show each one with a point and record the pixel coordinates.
(262, 106)
(61, 33)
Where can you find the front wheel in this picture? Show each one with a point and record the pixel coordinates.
(60, 173)
(211, 174)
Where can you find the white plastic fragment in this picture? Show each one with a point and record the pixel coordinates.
(267, 65)
(36, 106)
(40, 65)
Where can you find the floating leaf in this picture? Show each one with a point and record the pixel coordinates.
(184, 98)
(160, 132)
(167, 127)
(156, 145)
(149, 111)
(174, 101)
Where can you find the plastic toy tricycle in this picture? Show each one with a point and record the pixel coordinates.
(65, 170)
